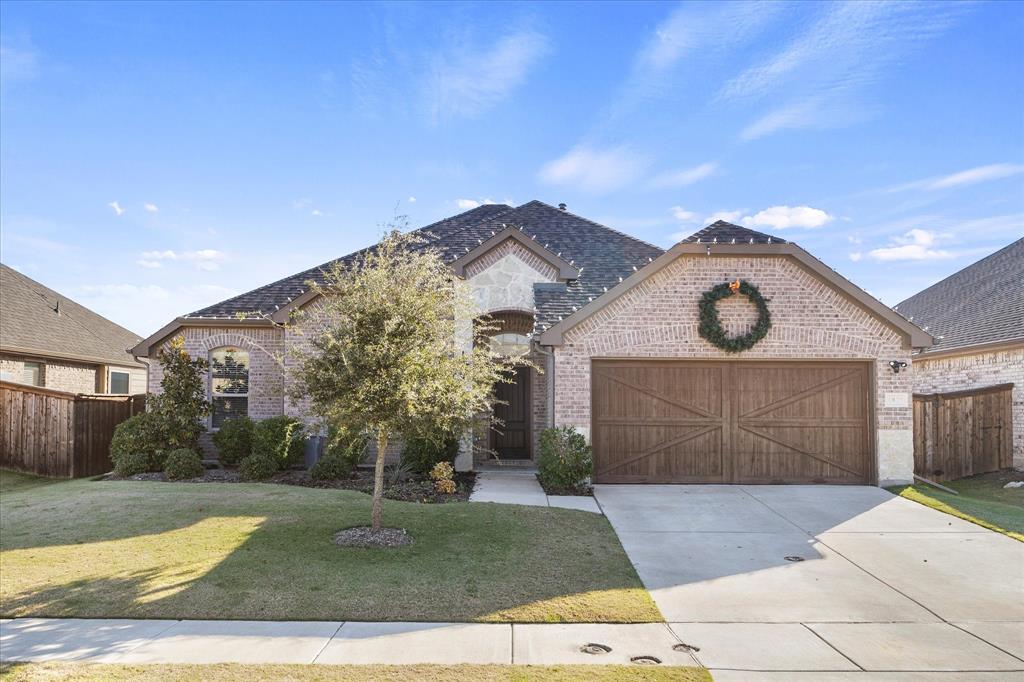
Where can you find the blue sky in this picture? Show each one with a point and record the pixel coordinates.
(156, 158)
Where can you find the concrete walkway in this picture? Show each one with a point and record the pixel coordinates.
(520, 486)
(825, 579)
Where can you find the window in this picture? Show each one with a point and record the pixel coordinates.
(119, 382)
(229, 384)
(32, 373)
(510, 344)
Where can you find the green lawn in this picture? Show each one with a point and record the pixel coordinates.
(259, 551)
(982, 500)
(79, 672)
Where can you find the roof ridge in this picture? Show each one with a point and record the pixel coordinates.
(592, 222)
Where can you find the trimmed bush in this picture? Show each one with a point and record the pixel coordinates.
(442, 471)
(183, 464)
(281, 439)
(258, 467)
(422, 454)
(565, 460)
(343, 454)
(137, 445)
(234, 440)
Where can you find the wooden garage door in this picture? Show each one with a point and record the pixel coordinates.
(731, 422)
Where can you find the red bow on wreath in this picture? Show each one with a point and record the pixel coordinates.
(734, 286)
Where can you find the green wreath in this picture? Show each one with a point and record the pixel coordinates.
(711, 327)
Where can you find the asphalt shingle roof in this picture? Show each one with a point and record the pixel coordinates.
(727, 233)
(983, 303)
(603, 255)
(35, 319)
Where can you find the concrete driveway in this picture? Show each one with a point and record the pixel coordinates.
(823, 578)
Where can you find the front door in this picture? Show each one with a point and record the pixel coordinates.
(511, 439)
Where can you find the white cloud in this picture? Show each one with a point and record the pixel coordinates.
(145, 308)
(593, 170)
(784, 217)
(971, 176)
(685, 176)
(820, 78)
(316, 212)
(914, 245)
(682, 215)
(856, 256)
(727, 216)
(203, 259)
(412, 200)
(465, 82)
(117, 207)
(466, 204)
(853, 239)
(152, 208)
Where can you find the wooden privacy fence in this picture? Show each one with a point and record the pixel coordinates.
(54, 433)
(963, 433)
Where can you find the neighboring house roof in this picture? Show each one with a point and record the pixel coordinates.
(36, 320)
(722, 238)
(601, 256)
(981, 304)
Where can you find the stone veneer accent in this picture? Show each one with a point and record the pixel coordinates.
(810, 320)
(978, 370)
(503, 278)
(510, 247)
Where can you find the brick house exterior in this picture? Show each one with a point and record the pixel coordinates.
(582, 291)
(977, 318)
(48, 340)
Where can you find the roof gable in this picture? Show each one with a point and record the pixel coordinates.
(980, 304)
(565, 270)
(36, 320)
(721, 232)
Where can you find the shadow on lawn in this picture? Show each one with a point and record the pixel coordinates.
(468, 561)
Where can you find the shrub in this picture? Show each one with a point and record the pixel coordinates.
(343, 454)
(133, 462)
(565, 460)
(445, 486)
(281, 439)
(442, 471)
(234, 440)
(138, 445)
(422, 454)
(258, 467)
(183, 464)
(182, 403)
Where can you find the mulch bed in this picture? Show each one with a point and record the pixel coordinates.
(585, 491)
(413, 490)
(364, 536)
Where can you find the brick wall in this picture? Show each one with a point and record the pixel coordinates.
(60, 375)
(962, 372)
(810, 320)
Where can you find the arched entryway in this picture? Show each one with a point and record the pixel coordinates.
(511, 439)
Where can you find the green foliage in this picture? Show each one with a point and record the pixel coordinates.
(565, 460)
(234, 440)
(281, 439)
(342, 455)
(183, 464)
(182, 404)
(710, 327)
(423, 454)
(258, 467)
(138, 444)
(384, 353)
(442, 471)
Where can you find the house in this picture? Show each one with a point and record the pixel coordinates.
(48, 340)
(977, 318)
(614, 324)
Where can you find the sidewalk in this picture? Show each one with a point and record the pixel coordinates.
(520, 486)
(205, 641)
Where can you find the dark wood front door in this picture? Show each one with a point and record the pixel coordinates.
(731, 422)
(511, 440)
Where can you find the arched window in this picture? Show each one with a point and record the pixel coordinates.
(229, 384)
(510, 344)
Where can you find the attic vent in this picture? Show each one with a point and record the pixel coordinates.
(562, 207)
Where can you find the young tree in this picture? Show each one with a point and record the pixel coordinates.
(389, 349)
(182, 405)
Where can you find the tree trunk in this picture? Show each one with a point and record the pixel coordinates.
(378, 480)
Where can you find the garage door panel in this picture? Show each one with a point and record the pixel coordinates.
(742, 422)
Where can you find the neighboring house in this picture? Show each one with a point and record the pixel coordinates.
(977, 318)
(48, 340)
(613, 322)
